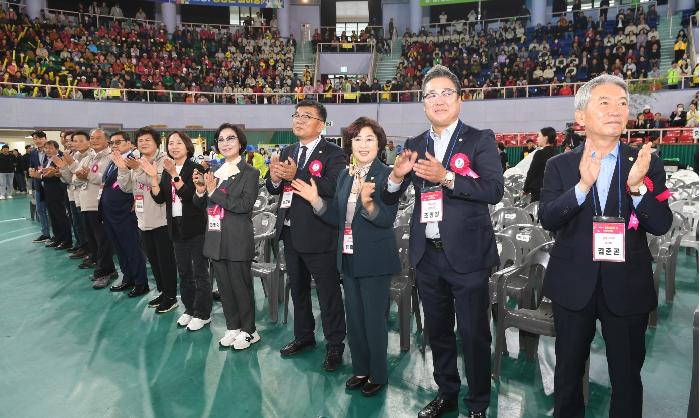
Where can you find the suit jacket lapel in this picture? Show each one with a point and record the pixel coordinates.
(452, 144)
(372, 174)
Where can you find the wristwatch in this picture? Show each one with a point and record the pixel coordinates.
(638, 190)
(176, 179)
(449, 178)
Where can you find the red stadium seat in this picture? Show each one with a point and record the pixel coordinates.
(686, 137)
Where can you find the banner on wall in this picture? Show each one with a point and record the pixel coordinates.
(441, 2)
(263, 4)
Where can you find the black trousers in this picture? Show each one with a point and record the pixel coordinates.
(300, 267)
(161, 257)
(124, 233)
(195, 282)
(98, 240)
(58, 215)
(77, 222)
(366, 302)
(624, 347)
(443, 293)
(235, 282)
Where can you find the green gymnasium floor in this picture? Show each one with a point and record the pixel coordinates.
(67, 350)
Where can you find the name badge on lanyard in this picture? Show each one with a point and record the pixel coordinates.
(138, 199)
(216, 214)
(287, 195)
(347, 240)
(608, 239)
(431, 204)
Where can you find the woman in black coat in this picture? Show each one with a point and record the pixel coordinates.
(186, 226)
(547, 141)
(367, 253)
(229, 194)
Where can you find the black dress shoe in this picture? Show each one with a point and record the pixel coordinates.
(371, 389)
(138, 290)
(295, 347)
(52, 244)
(355, 382)
(481, 414)
(86, 264)
(78, 254)
(333, 361)
(216, 295)
(64, 246)
(41, 238)
(121, 287)
(437, 407)
(74, 249)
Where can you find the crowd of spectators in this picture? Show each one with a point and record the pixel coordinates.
(560, 53)
(364, 41)
(94, 61)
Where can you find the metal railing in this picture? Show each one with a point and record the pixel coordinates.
(344, 47)
(666, 135)
(239, 97)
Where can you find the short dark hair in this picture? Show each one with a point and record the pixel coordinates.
(239, 133)
(52, 143)
(27, 146)
(5, 146)
(321, 109)
(529, 141)
(39, 134)
(123, 135)
(442, 71)
(81, 133)
(356, 126)
(187, 141)
(549, 133)
(501, 146)
(147, 130)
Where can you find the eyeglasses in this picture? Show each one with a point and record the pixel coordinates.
(117, 142)
(366, 140)
(305, 117)
(433, 95)
(231, 138)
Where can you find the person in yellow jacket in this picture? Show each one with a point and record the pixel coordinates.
(259, 163)
(679, 48)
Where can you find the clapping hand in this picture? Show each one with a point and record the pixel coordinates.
(82, 173)
(198, 179)
(430, 169)
(149, 168)
(132, 163)
(58, 162)
(640, 167)
(210, 181)
(307, 191)
(404, 165)
(589, 167)
(169, 166)
(366, 196)
(119, 160)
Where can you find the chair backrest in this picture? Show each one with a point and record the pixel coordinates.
(402, 233)
(508, 216)
(264, 223)
(689, 209)
(403, 217)
(507, 251)
(260, 203)
(526, 238)
(536, 263)
(532, 209)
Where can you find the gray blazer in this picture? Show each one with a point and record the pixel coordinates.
(236, 196)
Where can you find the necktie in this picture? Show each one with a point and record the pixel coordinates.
(302, 158)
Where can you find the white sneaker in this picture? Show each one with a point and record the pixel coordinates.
(229, 337)
(196, 324)
(184, 319)
(244, 340)
(9, 196)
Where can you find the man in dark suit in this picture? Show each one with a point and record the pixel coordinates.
(547, 143)
(55, 198)
(37, 161)
(456, 172)
(310, 246)
(116, 208)
(607, 186)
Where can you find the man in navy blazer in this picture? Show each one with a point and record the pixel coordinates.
(459, 168)
(602, 178)
(37, 161)
(309, 243)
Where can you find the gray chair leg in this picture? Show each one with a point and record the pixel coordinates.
(586, 389)
(273, 300)
(287, 289)
(405, 319)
